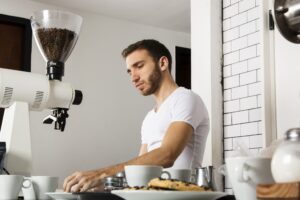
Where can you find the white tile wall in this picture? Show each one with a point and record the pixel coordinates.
(240, 117)
(232, 81)
(241, 77)
(239, 92)
(240, 67)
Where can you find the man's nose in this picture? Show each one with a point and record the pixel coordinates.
(134, 77)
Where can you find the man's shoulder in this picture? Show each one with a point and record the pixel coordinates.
(187, 95)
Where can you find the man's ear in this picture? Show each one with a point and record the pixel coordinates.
(163, 63)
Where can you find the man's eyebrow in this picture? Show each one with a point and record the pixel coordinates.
(137, 63)
(134, 65)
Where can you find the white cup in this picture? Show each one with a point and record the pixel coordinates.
(10, 186)
(245, 173)
(39, 186)
(179, 174)
(140, 175)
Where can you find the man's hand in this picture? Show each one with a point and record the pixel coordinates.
(84, 181)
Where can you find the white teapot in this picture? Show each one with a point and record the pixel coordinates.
(286, 159)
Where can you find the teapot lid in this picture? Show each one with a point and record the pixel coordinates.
(293, 134)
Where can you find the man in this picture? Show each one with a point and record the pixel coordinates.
(173, 133)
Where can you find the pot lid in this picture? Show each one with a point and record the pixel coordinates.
(293, 134)
(287, 17)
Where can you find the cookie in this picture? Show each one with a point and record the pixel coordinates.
(172, 184)
(144, 188)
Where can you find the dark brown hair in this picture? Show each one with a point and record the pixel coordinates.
(154, 48)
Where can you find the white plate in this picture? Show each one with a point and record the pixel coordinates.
(62, 195)
(167, 195)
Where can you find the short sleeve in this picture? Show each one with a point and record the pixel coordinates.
(189, 108)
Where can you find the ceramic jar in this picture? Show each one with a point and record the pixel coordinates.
(286, 159)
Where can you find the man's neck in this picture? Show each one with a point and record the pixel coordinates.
(166, 88)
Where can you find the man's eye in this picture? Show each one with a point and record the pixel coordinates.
(140, 66)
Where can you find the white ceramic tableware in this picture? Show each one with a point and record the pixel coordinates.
(140, 175)
(167, 195)
(286, 159)
(40, 185)
(10, 186)
(245, 173)
(62, 195)
(179, 174)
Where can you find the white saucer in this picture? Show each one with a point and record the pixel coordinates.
(62, 195)
(167, 195)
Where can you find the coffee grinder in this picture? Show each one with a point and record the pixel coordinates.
(56, 33)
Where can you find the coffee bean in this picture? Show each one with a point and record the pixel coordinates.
(57, 43)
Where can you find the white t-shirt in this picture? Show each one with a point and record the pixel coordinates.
(182, 105)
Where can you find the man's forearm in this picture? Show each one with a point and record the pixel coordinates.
(156, 157)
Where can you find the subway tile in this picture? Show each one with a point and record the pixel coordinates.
(230, 82)
(260, 127)
(259, 101)
(226, 47)
(255, 88)
(231, 58)
(231, 34)
(248, 28)
(227, 95)
(248, 103)
(234, 1)
(226, 24)
(258, 2)
(240, 117)
(255, 115)
(254, 152)
(258, 50)
(239, 43)
(254, 63)
(239, 92)
(232, 131)
(228, 144)
(256, 141)
(258, 24)
(226, 3)
(249, 77)
(230, 11)
(240, 141)
(231, 106)
(253, 13)
(238, 19)
(227, 71)
(259, 74)
(246, 5)
(227, 119)
(239, 67)
(253, 38)
(249, 129)
(229, 154)
(248, 52)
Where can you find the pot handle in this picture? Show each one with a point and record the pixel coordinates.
(222, 170)
(27, 189)
(243, 173)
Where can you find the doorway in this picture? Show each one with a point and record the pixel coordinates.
(183, 67)
(15, 48)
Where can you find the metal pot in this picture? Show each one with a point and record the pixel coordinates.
(287, 17)
(115, 182)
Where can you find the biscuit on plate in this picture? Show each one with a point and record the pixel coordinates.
(173, 184)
